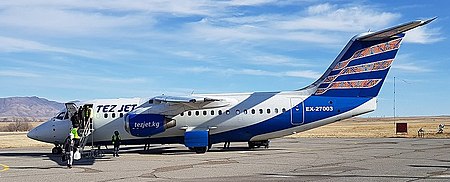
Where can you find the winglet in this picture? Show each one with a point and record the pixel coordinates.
(393, 31)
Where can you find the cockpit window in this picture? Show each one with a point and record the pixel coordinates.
(66, 116)
(61, 115)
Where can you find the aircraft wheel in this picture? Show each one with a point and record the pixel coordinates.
(251, 145)
(57, 150)
(200, 150)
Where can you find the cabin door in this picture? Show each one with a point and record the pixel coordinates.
(297, 108)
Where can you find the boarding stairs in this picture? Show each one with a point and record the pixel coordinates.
(85, 133)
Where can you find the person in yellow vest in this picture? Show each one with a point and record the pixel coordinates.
(76, 137)
(116, 143)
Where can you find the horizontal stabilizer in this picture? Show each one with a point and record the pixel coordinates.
(393, 31)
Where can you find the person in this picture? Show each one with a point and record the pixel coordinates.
(441, 128)
(87, 113)
(74, 119)
(80, 114)
(226, 145)
(116, 143)
(76, 137)
(421, 133)
(69, 150)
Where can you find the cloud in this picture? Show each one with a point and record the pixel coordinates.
(423, 35)
(18, 73)
(410, 67)
(244, 33)
(304, 74)
(410, 63)
(277, 60)
(319, 9)
(45, 20)
(333, 18)
(8, 44)
(254, 72)
(117, 80)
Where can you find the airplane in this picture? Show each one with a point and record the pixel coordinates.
(348, 88)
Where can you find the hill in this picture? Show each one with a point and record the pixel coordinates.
(28, 107)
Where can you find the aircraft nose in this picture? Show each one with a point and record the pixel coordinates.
(33, 134)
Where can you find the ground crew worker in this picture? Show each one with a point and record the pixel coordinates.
(116, 143)
(76, 137)
(69, 150)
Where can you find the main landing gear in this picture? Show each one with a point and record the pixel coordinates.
(57, 150)
(258, 144)
(200, 150)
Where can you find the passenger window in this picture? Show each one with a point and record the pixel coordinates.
(121, 114)
(283, 110)
(245, 111)
(261, 111)
(197, 113)
(182, 114)
(276, 110)
(227, 112)
(253, 111)
(189, 113)
(220, 112)
(268, 111)
(238, 112)
(113, 115)
(105, 115)
(204, 113)
(212, 112)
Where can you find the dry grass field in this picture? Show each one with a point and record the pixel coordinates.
(19, 139)
(350, 128)
(380, 127)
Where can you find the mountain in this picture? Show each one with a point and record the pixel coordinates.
(28, 107)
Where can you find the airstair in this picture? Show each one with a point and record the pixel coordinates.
(86, 130)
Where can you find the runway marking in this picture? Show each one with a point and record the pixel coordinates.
(5, 167)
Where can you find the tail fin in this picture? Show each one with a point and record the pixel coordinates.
(362, 66)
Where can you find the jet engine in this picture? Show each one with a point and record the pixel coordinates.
(144, 125)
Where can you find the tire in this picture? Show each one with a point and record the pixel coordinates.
(56, 150)
(200, 150)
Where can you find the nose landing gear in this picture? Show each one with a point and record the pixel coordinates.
(57, 150)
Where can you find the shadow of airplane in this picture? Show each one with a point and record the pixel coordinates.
(107, 154)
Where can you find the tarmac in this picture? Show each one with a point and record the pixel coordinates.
(287, 159)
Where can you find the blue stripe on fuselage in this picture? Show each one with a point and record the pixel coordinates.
(283, 120)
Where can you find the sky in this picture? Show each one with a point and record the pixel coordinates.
(79, 50)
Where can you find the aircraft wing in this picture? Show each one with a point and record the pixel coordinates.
(393, 31)
(174, 105)
(175, 99)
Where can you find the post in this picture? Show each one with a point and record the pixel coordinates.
(395, 126)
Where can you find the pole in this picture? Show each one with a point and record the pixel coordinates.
(394, 108)
(394, 98)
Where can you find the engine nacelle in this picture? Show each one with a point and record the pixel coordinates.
(144, 125)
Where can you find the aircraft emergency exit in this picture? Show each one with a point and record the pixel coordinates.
(348, 88)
